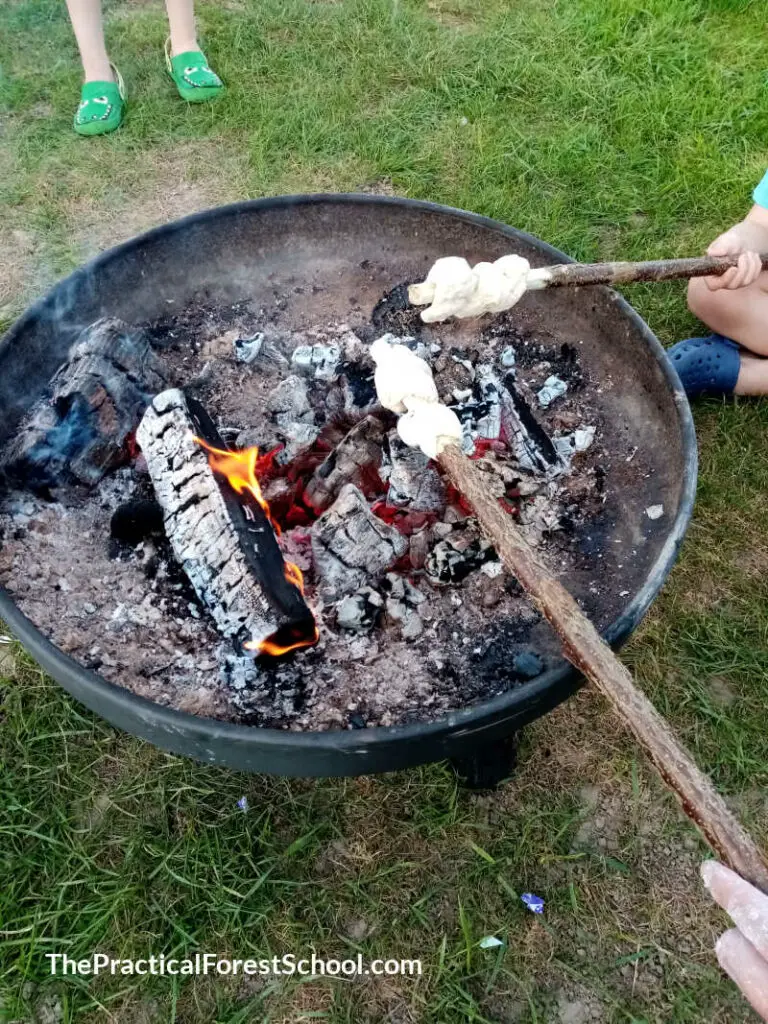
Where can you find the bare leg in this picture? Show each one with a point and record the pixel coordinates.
(181, 19)
(753, 376)
(741, 315)
(85, 16)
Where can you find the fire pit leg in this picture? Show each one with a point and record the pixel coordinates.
(489, 764)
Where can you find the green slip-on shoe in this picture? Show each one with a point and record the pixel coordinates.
(193, 78)
(102, 105)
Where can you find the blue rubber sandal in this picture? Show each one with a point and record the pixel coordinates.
(707, 366)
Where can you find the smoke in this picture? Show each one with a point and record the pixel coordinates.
(53, 458)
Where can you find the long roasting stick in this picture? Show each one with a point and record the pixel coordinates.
(454, 288)
(590, 654)
(578, 274)
(405, 385)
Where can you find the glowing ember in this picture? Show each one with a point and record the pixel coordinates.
(241, 469)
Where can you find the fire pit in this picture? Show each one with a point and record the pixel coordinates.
(212, 536)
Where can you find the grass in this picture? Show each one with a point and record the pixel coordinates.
(612, 130)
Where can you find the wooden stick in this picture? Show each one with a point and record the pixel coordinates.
(578, 274)
(587, 651)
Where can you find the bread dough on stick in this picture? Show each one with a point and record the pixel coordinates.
(405, 385)
(453, 288)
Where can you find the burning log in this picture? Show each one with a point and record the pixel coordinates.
(350, 545)
(97, 399)
(354, 460)
(220, 531)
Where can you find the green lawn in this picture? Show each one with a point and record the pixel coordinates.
(611, 129)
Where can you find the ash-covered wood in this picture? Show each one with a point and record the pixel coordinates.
(96, 401)
(350, 545)
(223, 540)
(355, 460)
(532, 446)
(293, 416)
(414, 482)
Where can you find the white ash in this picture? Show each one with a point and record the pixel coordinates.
(489, 424)
(350, 544)
(418, 547)
(248, 350)
(508, 357)
(293, 416)
(568, 445)
(529, 450)
(403, 600)
(318, 361)
(420, 348)
(540, 517)
(58, 564)
(353, 349)
(359, 612)
(414, 482)
(450, 562)
(655, 511)
(492, 569)
(553, 388)
(409, 620)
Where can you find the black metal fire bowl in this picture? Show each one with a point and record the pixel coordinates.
(330, 254)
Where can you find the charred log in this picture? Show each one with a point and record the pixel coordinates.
(355, 460)
(414, 482)
(533, 447)
(97, 398)
(350, 545)
(223, 539)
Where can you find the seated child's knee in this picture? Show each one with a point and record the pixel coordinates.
(701, 301)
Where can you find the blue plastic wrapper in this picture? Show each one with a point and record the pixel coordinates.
(242, 803)
(533, 902)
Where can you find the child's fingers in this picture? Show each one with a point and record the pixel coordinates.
(721, 281)
(746, 905)
(746, 967)
(746, 272)
(756, 266)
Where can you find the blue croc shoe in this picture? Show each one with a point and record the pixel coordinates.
(707, 366)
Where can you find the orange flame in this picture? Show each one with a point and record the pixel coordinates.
(240, 470)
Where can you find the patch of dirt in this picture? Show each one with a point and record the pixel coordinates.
(720, 691)
(379, 187)
(451, 14)
(173, 184)
(24, 272)
(8, 664)
(576, 1005)
(604, 819)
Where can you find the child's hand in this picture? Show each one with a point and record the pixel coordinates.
(749, 238)
(742, 951)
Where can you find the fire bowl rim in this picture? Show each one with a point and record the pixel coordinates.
(341, 752)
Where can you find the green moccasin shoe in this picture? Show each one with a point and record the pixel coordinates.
(192, 76)
(102, 105)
